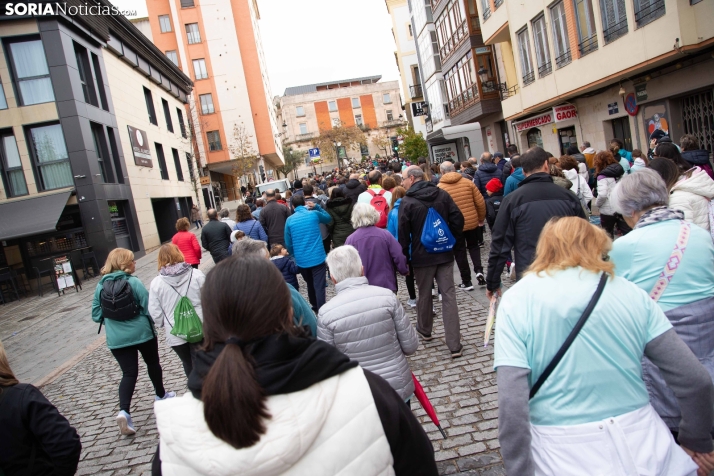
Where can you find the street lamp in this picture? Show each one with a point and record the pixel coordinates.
(337, 153)
(482, 74)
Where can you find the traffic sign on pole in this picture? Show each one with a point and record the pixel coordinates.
(314, 153)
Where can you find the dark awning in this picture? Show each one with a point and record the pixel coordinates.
(32, 215)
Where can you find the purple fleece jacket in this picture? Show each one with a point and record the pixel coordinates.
(381, 254)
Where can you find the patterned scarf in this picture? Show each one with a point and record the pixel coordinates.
(658, 214)
(174, 269)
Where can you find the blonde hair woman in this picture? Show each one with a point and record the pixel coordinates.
(176, 279)
(32, 431)
(121, 303)
(592, 413)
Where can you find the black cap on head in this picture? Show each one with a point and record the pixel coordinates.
(297, 184)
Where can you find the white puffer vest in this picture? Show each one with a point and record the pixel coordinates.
(692, 195)
(331, 428)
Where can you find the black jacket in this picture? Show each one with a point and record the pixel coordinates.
(288, 268)
(485, 173)
(353, 188)
(522, 216)
(696, 157)
(493, 204)
(27, 420)
(340, 209)
(580, 158)
(273, 218)
(285, 364)
(412, 214)
(216, 238)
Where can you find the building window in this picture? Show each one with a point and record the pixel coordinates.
(13, 175)
(524, 49)
(648, 10)
(150, 107)
(50, 157)
(614, 19)
(300, 111)
(451, 28)
(386, 98)
(177, 164)
(164, 23)
(410, 31)
(182, 126)
(30, 72)
(206, 103)
(214, 140)
(80, 54)
(100, 147)
(332, 106)
(189, 162)
(390, 116)
(540, 40)
(486, 6)
(461, 83)
(99, 82)
(199, 69)
(303, 128)
(171, 54)
(560, 35)
(167, 115)
(355, 103)
(3, 101)
(162, 161)
(585, 24)
(358, 120)
(115, 155)
(192, 33)
(336, 122)
(186, 3)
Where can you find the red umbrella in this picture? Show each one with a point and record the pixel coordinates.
(426, 404)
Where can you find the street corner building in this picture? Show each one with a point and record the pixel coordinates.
(94, 148)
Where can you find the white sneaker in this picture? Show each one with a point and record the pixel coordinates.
(433, 292)
(512, 271)
(166, 395)
(412, 303)
(126, 426)
(439, 297)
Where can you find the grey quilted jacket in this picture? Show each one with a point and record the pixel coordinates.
(369, 325)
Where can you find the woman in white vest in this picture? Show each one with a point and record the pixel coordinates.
(592, 414)
(265, 400)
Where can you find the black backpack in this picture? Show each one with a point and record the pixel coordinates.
(117, 300)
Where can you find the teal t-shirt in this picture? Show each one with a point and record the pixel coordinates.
(640, 257)
(600, 376)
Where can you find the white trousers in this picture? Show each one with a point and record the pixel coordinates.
(634, 444)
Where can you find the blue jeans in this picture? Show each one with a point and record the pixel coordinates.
(315, 279)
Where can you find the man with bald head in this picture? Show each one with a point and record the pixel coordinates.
(353, 188)
(375, 186)
(216, 237)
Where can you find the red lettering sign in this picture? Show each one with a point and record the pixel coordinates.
(564, 113)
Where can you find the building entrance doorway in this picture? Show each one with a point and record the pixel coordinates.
(120, 224)
(621, 130)
(165, 215)
(567, 138)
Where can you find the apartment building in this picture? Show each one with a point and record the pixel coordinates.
(365, 102)
(593, 70)
(408, 64)
(218, 45)
(94, 151)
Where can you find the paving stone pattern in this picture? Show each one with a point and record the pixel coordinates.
(463, 392)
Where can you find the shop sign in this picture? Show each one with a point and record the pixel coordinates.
(206, 180)
(537, 121)
(418, 109)
(565, 113)
(140, 147)
(612, 108)
(483, 50)
(641, 92)
(63, 272)
(444, 152)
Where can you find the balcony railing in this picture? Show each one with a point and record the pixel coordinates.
(588, 45)
(306, 136)
(508, 92)
(486, 13)
(615, 31)
(416, 91)
(649, 12)
(497, 3)
(450, 44)
(563, 59)
(464, 100)
(392, 123)
(364, 127)
(545, 69)
(528, 78)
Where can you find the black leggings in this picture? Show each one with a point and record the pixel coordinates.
(128, 359)
(185, 353)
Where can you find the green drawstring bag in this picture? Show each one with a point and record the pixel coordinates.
(187, 324)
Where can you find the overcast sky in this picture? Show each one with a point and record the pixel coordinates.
(313, 41)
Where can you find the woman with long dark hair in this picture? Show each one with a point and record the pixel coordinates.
(608, 172)
(263, 397)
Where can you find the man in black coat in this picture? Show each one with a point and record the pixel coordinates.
(216, 237)
(523, 214)
(353, 188)
(273, 218)
(421, 196)
(486, 171)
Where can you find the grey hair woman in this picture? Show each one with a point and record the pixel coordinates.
(673, 260)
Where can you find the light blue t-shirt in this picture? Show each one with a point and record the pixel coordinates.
(600, 376)
(640, 257)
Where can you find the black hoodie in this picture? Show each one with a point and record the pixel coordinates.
(353, 189)
(412, 214)
(340, 209)
(613, 171)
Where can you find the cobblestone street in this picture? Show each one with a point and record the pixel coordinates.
(463, 392)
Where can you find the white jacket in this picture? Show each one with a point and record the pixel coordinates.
(330, 428)
(605, 186)
(163, 299)
(576, 178)
(692, 195)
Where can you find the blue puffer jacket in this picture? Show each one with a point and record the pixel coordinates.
(302, 235)
(485, 173)
(393, 219)
(513, 180)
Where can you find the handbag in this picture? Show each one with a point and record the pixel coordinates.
(571, 337)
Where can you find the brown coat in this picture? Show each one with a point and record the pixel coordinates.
(467, 198)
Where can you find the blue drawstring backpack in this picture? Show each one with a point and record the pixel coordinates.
(436, 236)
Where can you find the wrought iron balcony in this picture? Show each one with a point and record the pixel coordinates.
(545, 69)
(615, 31)
(498, 3)
(416, 91)
(649, 12)
(486, 13)
(563, 59)
(528, 78)
(588, 45)
(301, 137)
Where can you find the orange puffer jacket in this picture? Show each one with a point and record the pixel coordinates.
(467, 198)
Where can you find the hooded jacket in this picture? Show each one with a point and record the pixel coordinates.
(288, 269)
(513, 180)
(699, 158)
(589, 154)
(467, 198)
(562, 182)
(468, 173)
(485, 173)
(368, 324)
(340, 209)
(522, 216)
(328, 416)
(412, 214)
(606, 181)
(576, 179)
(216, 238)
(165, 291)
(393, 220)
(134, 331)
(188, 244)
(273, 218)
(638, 165)
(692, 195)
(353, 189)
(493, 204)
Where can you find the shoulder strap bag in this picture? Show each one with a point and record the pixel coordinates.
(672, 263)
(166, 316)
(571, 337)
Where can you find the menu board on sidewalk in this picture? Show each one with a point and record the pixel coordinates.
(63, 272)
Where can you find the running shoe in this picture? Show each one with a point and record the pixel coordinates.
(480, 279)
(468, 286)
(166, 396)
(412, 303)
(126, 426)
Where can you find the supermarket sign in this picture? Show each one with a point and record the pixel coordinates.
(536, 121)
(565, 113)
